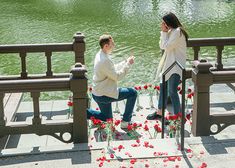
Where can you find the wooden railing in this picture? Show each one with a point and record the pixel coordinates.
(204, 75)
(218, 43)
(203, 78)
(77, 46)
(77, 127)
(75, 81)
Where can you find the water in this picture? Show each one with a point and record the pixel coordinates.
(134, 25)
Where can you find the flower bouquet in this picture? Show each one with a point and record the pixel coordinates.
(157, 129)
(131, 130)
(174, 125)
(100, 133)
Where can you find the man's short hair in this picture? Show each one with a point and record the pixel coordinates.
(104, 39)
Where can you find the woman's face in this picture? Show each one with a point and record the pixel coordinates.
(164, 26)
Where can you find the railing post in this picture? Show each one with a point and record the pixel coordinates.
(24, 72)
(196, 52)
(202, 78)
(2, 116)
(49, 71)
(79, 47)
(78, 85)
(36, 109)
(219, 64)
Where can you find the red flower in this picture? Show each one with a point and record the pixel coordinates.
(179, 115)
(189, 90)
(172, 117)
(109, 120)
(70, 103)
(189, 96)
(157, 128)
(117, 122)
(146, 87)
(103, 126)
(188, 116)
(178, 88)
(180, 92)
(129, 127)
(90, 89)
(139, 88)
(136, 88)
(146, 128)
(157, 87)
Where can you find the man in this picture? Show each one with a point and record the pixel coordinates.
(105, 77)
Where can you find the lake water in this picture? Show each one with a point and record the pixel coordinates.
(134, 25)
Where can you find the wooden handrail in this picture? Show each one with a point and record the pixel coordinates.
(217, 41)
(13, 86)
(17, 48)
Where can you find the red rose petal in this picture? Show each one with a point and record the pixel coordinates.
(111, 155)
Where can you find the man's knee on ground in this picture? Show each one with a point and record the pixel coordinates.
(133, 92)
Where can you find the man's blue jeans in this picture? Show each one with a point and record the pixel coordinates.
(105, 105)
(171, 90)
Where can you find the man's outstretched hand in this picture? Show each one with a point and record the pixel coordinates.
(130, 60)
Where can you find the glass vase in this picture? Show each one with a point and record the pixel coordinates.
(116, 110)
(138, 106)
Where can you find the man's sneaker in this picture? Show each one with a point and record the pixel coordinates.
(125, 124)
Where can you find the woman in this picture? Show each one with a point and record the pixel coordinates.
(173, 41)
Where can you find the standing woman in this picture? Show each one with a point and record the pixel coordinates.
(173, 41)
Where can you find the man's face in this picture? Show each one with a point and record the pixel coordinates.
(110, 46)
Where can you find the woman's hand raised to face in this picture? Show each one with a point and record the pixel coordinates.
(164, 27)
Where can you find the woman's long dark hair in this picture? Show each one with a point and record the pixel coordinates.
(172, 21)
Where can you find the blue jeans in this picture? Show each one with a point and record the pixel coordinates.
(105, 105)
(171, 90)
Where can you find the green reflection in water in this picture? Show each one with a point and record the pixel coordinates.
(134, 25)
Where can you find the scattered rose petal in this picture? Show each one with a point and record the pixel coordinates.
(204, 165)
(146, 165)
(179, 158)
(190, 156)
(111, 155)
(177, 166)
(172, 158)
(132, 161)
(101, 164)
(189, 150)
